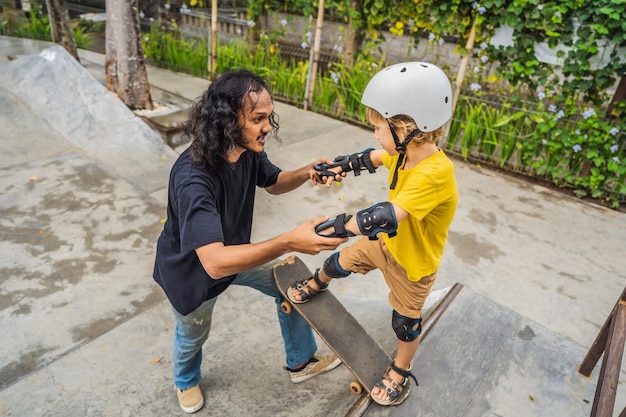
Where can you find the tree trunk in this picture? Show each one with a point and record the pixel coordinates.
(354, 33)
(124, 65)
(61, 26)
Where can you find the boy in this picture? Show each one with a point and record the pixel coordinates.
(408, 103)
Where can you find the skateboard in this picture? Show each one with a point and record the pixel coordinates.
(343, 334)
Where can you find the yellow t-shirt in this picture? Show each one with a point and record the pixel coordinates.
(429, 193)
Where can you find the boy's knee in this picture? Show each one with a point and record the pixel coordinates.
(406, 328)
(333, 269)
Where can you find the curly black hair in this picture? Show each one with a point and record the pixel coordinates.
(213, 119)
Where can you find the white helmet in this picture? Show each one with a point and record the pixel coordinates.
(417, 89)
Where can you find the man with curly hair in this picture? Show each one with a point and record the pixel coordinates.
(205, 244)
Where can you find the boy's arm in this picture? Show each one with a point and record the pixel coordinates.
(369, 160)
(377, 157)
(381, 217)
(290, 180)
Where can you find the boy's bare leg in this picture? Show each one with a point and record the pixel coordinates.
(406, 351)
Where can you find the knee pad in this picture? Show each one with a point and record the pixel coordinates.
(406, 328)
(333, 269)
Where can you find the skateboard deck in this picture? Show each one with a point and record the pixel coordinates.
(343, 334)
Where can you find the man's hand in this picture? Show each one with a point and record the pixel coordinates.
(304, 239)
(320, 170)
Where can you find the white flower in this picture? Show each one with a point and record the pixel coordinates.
(484, 58)
(250, 23)
(335, 77)
(167, 6)
(614, 131)
(304, 45)
(541, 95)
(431, 37)
(475, 87)
(476, 70)
(588, 113)
(283, 23)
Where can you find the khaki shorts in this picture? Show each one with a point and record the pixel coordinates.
(406, 297)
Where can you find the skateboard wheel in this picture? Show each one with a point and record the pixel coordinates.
(286, 307)
(356, 388)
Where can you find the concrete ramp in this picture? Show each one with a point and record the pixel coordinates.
(484, 360)
(76, 235)
(66, 99)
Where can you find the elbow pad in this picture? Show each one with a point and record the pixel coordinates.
(381, 217)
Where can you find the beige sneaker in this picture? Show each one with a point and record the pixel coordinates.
(191, 399)
(315, 366)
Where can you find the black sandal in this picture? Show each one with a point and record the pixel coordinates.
(396, 391)
(304, 283)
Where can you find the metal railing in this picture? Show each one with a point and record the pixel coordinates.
(609, 341)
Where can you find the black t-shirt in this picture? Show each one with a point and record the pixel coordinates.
(206, 207)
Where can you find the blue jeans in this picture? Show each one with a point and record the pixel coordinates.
(193, 329)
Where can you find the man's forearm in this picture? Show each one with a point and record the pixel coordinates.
(290, 180)
(220, 261)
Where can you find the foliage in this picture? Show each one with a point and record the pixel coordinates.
(169, 49)
(589, 37)
(83, 38)
(525, 115)
(37, 26)
(573, 147)
(586, 37)
(542, 134)
(346, 84)
(489, 131)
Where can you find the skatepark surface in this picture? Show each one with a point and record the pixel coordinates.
(87, 332)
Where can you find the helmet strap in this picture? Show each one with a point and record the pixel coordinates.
(401, 148)
(395, 171)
